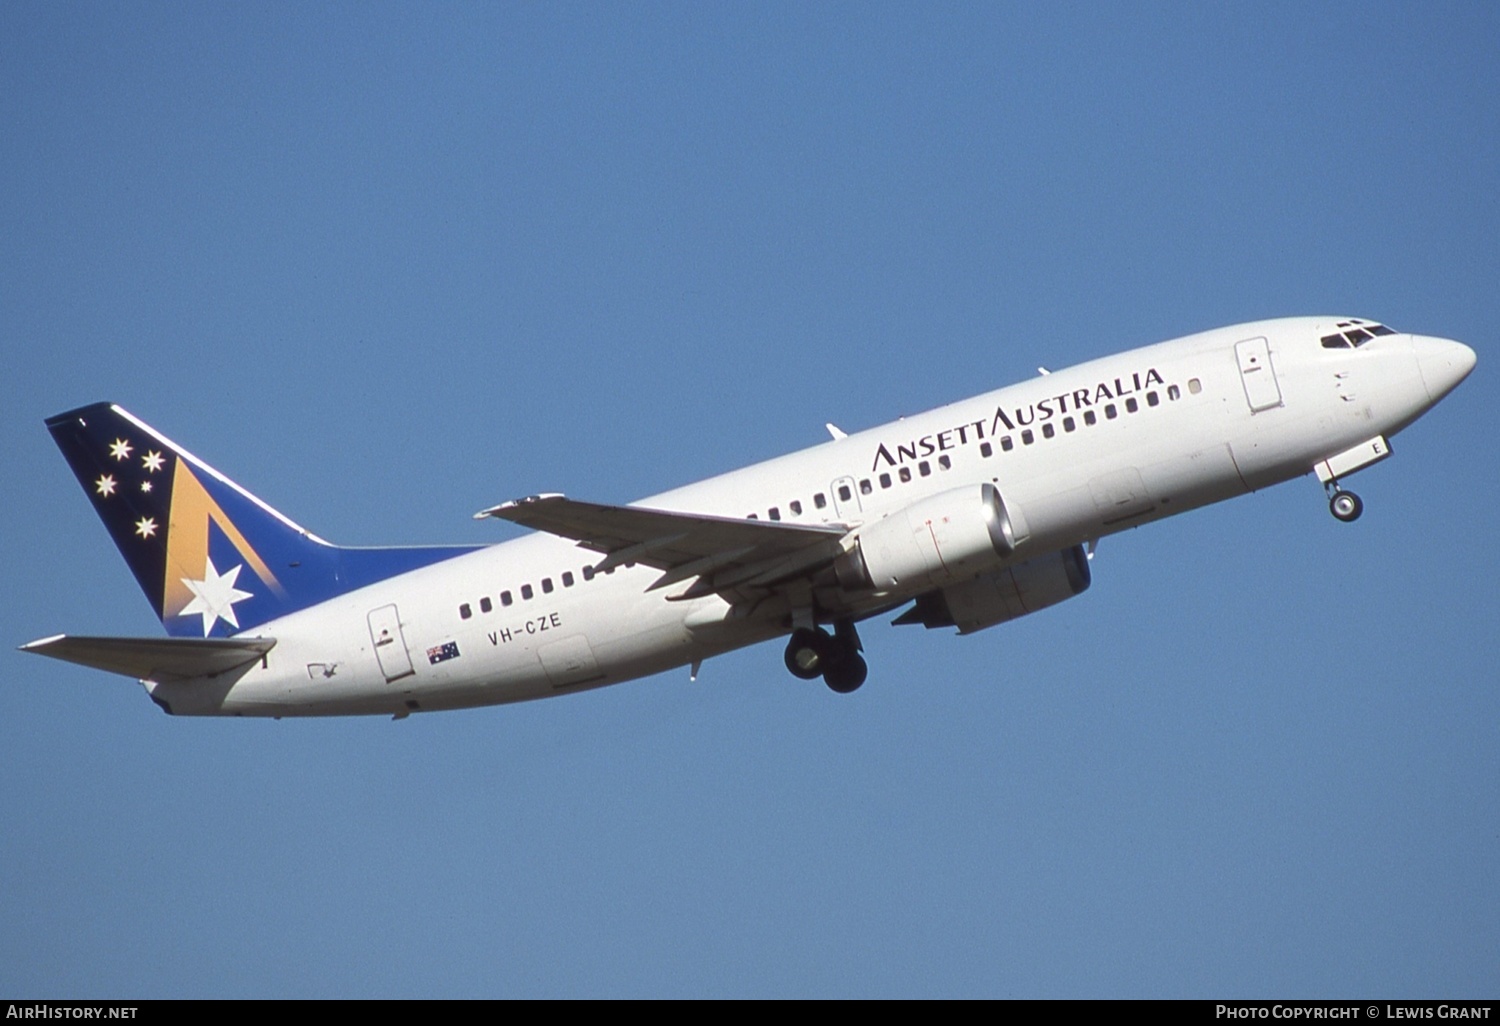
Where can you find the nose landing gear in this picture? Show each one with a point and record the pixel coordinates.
(1345, 506)
(812, 652)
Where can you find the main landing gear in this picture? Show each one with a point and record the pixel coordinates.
(813, 652)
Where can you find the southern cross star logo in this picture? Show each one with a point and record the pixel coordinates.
(120, 450)
(214, 596)
(105, 485)
(145, 527)
(152, 461)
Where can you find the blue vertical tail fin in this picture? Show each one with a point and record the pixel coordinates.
(212, 559)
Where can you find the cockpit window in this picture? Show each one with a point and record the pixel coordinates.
(1355, 333)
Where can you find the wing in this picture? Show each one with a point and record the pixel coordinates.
(722, 552)
(155, 658)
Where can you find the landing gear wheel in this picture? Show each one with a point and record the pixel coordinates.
(1346, 506)
(844, 670)
(847, 673)
(807, 653)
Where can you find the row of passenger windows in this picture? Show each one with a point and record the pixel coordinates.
(527, 592)
(986, 449)
(845, 489)
(845, 492)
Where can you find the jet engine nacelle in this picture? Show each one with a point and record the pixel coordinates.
(939, 540)
(1004, 594)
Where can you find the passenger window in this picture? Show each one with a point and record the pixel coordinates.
(774, 513)
(1131, 405)
(924, 468)
(865, 488)
(751, 516)
(1110, 413)
(796, 507)
(905, 474)
(844, 493)
(1048, 430)
(1006, 444)
(1174, 393)
(588, 573)
(1027, 437)
(819, 501)
(464, 611)
(505, 598)
(945, 462)
(1194, 386)
(885, 480)
(1069, 424)
(526, 591)
(547, 585)
(485, 605)
(986, 450)
(567, 578)
(1089, 418)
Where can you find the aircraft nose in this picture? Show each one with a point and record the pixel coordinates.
(1443, 363)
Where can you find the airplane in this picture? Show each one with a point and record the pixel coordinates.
(969, 515)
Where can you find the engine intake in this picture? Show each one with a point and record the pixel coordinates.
(939, 540)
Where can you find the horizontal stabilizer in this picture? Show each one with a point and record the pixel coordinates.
(155, 659)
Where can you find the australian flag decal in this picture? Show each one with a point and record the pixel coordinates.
(442, 653)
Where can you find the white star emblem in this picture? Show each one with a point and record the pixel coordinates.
(214, 596)
(145, 486)
(120, 450)
(105, 485)
(145, 527)
(152, 461)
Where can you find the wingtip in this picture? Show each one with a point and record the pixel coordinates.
(32, 646)
(526, 500)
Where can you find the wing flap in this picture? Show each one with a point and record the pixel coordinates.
(657, 537)
(155, 659)
(720, 551)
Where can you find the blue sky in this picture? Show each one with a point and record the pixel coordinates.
(386, 265)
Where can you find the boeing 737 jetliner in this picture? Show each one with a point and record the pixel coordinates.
(968, 516)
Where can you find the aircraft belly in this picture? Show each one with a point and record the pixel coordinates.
(1269, 450)
(569, 661)
(1196, 479)
(654, 648)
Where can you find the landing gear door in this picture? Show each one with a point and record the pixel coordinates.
(1261, 389)
(390, 646)
(845, 498)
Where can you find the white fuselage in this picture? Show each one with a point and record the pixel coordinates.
(1075, 454)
